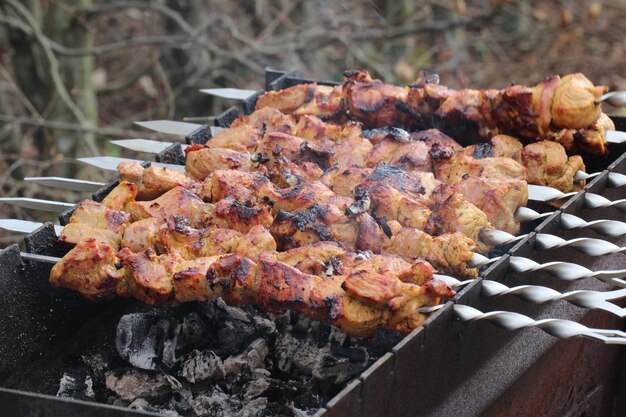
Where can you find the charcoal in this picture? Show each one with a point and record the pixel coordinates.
(249, 360)
(307, 400)
(306, 358)
(211, 359)
(286, 347)
(144, 338)
(254, 408)
(336, 336)
(76, 384)
(202, 365)
(256, 388)
(341, 364)
(143, 405)
(181, 400)
(214, 403)
(193, 332)
(130, 384)
(239, 331)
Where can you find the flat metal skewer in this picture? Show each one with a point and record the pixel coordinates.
(67, 183)
(37, 204)
(588, 246)
(25, 226)
(229, 93)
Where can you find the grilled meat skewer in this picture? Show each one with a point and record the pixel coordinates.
(269, 134)
(559, 109)
(356, 294)
(448, 252)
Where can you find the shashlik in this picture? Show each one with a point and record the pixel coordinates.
(350, 291)
(315, 145)
(310, 213)
(558, 109)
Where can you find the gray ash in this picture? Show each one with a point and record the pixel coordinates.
(210, 359)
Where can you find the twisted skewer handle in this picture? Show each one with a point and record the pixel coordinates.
(538, 295)
(567, 271)
(588, 246)
(597, 201)
(612, 228)
(563, 329)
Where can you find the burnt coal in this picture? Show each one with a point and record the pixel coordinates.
(211, 359)
(131, 384)
(76, 384)
(145, 339)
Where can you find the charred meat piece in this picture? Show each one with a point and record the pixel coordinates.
(202, 161)
(104, 222)
(151, 181)
(177, 201)
(307, 99)
(89, 268)
(546, 163)
(497, 198)
(458, 214)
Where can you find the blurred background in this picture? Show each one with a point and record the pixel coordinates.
(76, 73)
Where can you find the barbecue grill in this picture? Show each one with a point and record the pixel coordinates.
(447, 367)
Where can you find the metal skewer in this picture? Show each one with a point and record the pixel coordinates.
(614, 98)
(588, 246)
(538, 294)
(612, 228)
(563, 329)
(229, 93)
(568, 271)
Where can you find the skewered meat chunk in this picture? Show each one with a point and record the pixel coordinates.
(450, 253)
(362, 233)
(202, 161)
(306, 99)
(547, 164)
(458, 214)
(142, 234)
(253, 187)
(373, 103)
(241, 138)
(412, 155)
(95, 220)
(267, 118)
(558, 108)
(452, 170)
(497, 198)
(241, 217)
(89, 268)
(498, 146)
(103, 221)
(177, 201)
(152, 180)
(192, 243)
